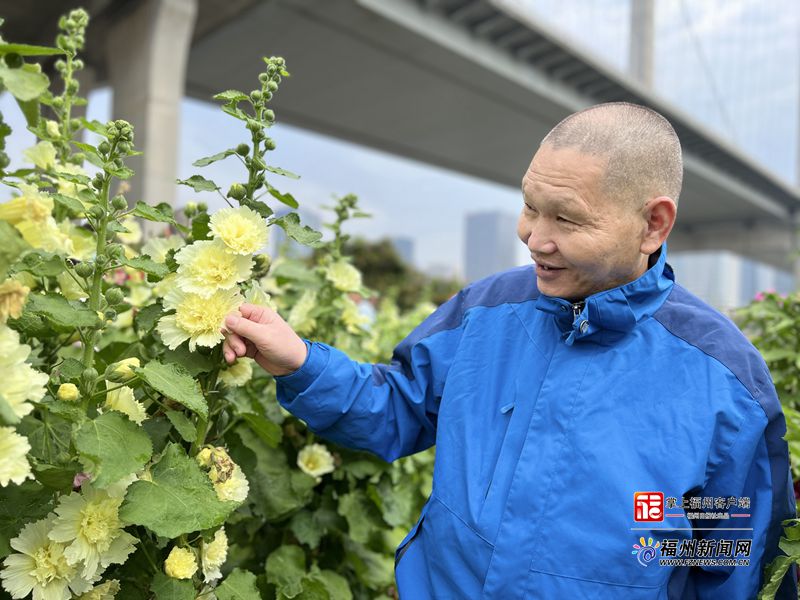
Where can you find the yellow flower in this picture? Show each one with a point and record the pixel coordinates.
(89, 527)
(83, 242)
(40, 566)
(69, 287)
(134, 234)
(226, 476)
(122, 371)
(344, 276)
(180, 563)
(239, 373)
(12, 298)
(51, 127)
(122, 400)
(46, 235)
(157, 247)
(169, 282)
(196, 318)
(242, 230)
(68, 392)
(43, 155)
(214, 555)
(300, 316)
(353, 318)
(104, 591)
(31, 205)
(14, 465)
(21, 382)
(205, 267)
(315, 460)
(256, 294)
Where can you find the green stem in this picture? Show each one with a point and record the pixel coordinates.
(97, 279)
(211, 383)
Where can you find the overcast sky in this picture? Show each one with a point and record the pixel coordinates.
(733, 64)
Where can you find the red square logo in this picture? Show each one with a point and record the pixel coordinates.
(648, 506)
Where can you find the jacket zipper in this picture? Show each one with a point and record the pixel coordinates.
(577, 308)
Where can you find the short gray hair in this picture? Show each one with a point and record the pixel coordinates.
(643, 150)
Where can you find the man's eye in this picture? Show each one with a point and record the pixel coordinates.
(563, 220)
(529, 208)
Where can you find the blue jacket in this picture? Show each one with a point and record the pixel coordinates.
(547, 421)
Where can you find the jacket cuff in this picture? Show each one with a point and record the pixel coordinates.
(298, 381)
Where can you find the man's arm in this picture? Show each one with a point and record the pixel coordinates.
(390, 410)
(757, 467)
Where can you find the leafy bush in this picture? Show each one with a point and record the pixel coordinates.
(133, 461)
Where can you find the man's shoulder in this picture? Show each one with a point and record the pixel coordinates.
(517, 284)
(697, 323)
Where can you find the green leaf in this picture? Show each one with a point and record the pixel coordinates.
(174, 382)
(69, 370)
(286, 568)
(239, 585)
(277, 490)
(19, 505)
(73, 205)
(179, 499)
(28, 50)
(398, 502)
(11, 246)
(334, 585)
(158, 428)
(199, 183)
(55, 477)
(94, 126)
(30, 110)
(147, 265)
(161, 213)
(200, 229)
(234, 111)
(168, 588)
(356, 508)
(300, 233)
(40, 263)
(261, 208)
(284, 172)
(231, 96)
(202, 162)
(112, 447)
(287, 198)
(194, 362)
(7, 416)
(25, 83)
(61, 313)
(146, 318)
(270, 433)
(773, 577)
(305, 529)
(183, 425)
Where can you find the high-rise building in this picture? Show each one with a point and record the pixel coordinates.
(490, 243)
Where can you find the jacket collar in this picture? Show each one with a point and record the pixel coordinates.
(608, 315)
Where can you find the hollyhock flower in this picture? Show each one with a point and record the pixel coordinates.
(14, 464)
(157, 247)
(196, 318)
(242, 230)
(205, 267)
(315, 460)
(344, 276)
(214, 555)
(12, 298)
(180, 564)
(237, 374)
(30, 205)
(123, 400)
(68, 392)
(21, 382)
(104, 591)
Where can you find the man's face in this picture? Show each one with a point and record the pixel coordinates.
(589, 242)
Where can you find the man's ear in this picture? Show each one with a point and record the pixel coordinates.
(659, 214)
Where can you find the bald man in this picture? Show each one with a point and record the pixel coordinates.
(600, 432)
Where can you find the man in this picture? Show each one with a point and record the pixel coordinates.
(591, 417)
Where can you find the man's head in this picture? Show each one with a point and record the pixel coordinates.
(600, 196)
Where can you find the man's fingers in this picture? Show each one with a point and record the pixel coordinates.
(259, 314)
(245, 328)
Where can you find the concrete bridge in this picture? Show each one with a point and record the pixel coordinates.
(470, 85)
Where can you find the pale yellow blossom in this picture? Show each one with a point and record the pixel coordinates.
(21, 382)
(12, 298)
(68, 392)
(196, 318)
(30, 205)
(315, 460)
(158, 247)
(242, 230)
(123, 370)
(214, 555)
(205, 267)
(88, 525)
(104, 591)
(344, 276)
(237, 374)
(300, 318)
(181, 563)
(14, 466)
(122, 400)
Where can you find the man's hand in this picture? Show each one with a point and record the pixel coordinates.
(260, 333)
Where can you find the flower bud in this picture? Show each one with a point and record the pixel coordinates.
(73, 86)
(114, 296)
(272, 86)
(84, 269)
(68, 392)
(237, 191)
(242, 149)
(103, 147)
(96, 211)
(202, 207)
(122, 371)
(124, 148)
(255, 95)
(58, 102)
(110, 314)
(269, 144)
(14, 60)
(101, 260)
(98, 181)
(51, 127)
(115, 251)
(269, 115)
(119, 203)
(77, 64)
(89, 375)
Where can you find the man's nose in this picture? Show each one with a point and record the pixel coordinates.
(539, 238)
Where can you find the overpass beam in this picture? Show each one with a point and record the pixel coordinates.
(148, 48)
(641, 41)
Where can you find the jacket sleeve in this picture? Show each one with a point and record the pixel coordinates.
(389, 410)
(757, 468)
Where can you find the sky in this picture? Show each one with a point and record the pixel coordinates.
(732, 64)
